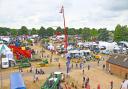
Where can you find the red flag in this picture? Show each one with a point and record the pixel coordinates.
(62, 10)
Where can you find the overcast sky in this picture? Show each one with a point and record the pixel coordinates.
(78, 13)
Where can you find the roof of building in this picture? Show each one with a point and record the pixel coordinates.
(119, 59)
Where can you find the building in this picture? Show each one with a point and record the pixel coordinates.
(117, 64)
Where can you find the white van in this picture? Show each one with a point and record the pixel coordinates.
(5, 63)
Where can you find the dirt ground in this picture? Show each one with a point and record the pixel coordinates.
(96, 74)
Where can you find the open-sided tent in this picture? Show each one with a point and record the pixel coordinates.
(16, 81)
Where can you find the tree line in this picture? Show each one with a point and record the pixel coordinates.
(120, 33)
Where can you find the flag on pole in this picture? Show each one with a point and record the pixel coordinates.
(62, 10)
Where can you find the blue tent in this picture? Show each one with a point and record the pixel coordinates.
(16, 81)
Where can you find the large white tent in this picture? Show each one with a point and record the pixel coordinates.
(6, 51)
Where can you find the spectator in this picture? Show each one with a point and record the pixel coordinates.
(98, 62)
(59, 65)
(76, 65)
(103, 66)
(98, 87)
(83, 79)
(88, 67)
(72, 65)
(83, 71)
(111, 84)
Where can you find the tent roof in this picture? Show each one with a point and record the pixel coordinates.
(16, 81)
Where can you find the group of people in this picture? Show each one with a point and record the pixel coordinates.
(86, 82)
(36, 70)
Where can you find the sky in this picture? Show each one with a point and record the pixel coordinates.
(78, 13)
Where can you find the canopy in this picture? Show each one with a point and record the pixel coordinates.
(16, 81)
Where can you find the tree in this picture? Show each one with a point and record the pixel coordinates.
(103, 34)
(23, 31)
(14, 32)
(86, 34)
(33, 31)
(121, 33)
(42, 32)
(94, 33)
(71, 31)
(4, 31)
(59, 29)
(50, 31)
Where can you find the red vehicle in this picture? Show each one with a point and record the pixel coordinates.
(18, 52)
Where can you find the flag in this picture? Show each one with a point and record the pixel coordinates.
(62, 10)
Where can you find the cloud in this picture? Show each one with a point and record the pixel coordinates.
(78, 13)
(116, 5)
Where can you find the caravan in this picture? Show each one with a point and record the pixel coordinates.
(5, 63)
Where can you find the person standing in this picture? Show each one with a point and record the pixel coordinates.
(98, 87)
(83, 79)
(111, 85)
(83, 71)
(72, 65)
(88, 67)
(103, 66)
(98, 62)
(76, 65)
(59, 65)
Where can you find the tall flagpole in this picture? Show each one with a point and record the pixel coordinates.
(65, 30)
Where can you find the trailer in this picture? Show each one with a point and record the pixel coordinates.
(16, 81)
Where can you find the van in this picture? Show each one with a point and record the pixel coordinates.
(5, 63)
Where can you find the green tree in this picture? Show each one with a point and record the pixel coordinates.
(50, 31)
(33, 31)
(23, 31)
(42, 32)
(86, 34)
(14, 32)
(71, 31)
(103, 34)
(59, 29)
(4, 31)
(121, 33)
